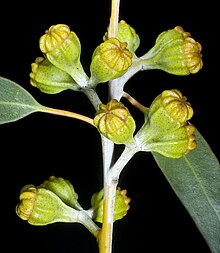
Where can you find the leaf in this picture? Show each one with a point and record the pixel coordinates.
(15, 101)
(195, 178)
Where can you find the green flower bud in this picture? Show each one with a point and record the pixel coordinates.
(174, 52)
(40, 206)
(115, 122)
(110, 60)
(62, 48)
(126, 33)
(50, 79)
(121, 205)
(173, 144)
(63, 189)
(166, 129)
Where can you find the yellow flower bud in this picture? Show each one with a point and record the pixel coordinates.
(110, 60)
(62, 48)
(166, 129)
(50, 79)
(40, 206)
(63, 189)
(174, 52)
(126, 33)
(121, 205)
(115, 122)
(169, 110)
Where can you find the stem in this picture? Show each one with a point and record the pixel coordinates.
(106, 234)
(88, 223)
(67, 114)
(117, 85)
(134, 102)
(113, 25)
(93, 97)
(125, 157)
(105, 238)
(107, 145)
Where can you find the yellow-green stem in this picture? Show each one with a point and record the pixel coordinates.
(67, 114)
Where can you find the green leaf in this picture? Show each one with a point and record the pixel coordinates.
(195, 178)
(15, 101)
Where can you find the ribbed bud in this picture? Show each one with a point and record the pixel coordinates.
(63, 189)
(62, 48)
(121, 205)
(40, 206)
(174, 52)
(169, 110)
(115, 122)
(50, 79)
(166, 129)
(127, 34)
(110, 60)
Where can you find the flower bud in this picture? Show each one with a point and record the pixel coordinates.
(50, 79)
(121, 205)
(126, 33)
(174, 144)
(110, 60)
(174, 52)
(170, 110)
(63, 189)
(40, 206)
(166, 129)
(62, 48)
(115, 122)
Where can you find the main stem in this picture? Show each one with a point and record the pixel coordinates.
(106, 234)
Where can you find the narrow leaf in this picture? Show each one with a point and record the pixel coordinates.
(15, 101)
(195, 178)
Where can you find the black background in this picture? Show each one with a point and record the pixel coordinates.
(41, 145)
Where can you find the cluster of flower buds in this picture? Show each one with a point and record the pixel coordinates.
(62, 48)
(167, 129)
(121, 205)
(62, 69)
(55, 200)
(174, 52)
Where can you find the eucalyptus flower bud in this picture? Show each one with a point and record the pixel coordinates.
(126, 33)
(110, 60)
(50, 79)
(40, 206)
(115, 122)
(166, 129)
(172, 107)
(62, 48)
(173, 144)
(121, 205)
(63, 189)
(174, 52)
